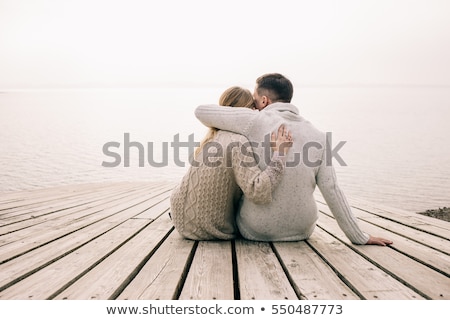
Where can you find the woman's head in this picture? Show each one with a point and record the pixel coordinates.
(232, 97)
(237, 97)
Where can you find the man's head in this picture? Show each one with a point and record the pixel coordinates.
(270, 88)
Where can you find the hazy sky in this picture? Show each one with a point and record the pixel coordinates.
(53, 43)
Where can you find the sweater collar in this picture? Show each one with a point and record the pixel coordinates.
(282, 106)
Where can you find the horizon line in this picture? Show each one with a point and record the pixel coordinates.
(143, 87)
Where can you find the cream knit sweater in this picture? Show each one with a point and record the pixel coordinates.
(292, 214)
(204, 204)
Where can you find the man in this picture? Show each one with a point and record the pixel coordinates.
(292, 214)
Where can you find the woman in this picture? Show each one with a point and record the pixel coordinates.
(203, 205)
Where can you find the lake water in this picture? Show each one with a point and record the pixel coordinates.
(397, 138)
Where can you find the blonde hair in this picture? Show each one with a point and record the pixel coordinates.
(232, 97)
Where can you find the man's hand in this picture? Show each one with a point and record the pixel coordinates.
(378, 241)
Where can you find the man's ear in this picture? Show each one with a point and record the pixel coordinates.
(266, 101)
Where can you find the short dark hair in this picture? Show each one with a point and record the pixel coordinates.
(278, 86)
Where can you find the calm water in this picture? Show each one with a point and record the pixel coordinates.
(397, 140)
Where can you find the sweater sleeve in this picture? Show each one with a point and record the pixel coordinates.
(337, 202)
(238, 120)
(256, 185)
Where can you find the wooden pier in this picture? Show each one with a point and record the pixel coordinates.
(116, 241)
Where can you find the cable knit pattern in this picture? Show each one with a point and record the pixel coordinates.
(204, 204)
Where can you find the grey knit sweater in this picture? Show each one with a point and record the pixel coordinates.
(204, 204)
(292, 214)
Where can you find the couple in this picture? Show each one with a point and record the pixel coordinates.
(252, 192)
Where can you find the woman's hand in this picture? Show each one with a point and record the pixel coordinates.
(282, 141)
(378, 241)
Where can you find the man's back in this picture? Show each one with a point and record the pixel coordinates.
(292, 214)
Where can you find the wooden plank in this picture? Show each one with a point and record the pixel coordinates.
(210, 276)
(313, 278)
(362, 276)
(36, 259)
(29, 238)
(111, 274)
(93, 208)
(412, 219)
(161, 277)
(8, 197)
(157, 209)
(417, 222)
(16, 269)
(260, 274)
(418, 251)
(406, 231)
(431, 283)
(400, 214)
(56, 276)
(37, 195)
(63, 212)
(50, 197)
(64, 201)
(110, 249)
(87, 197)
